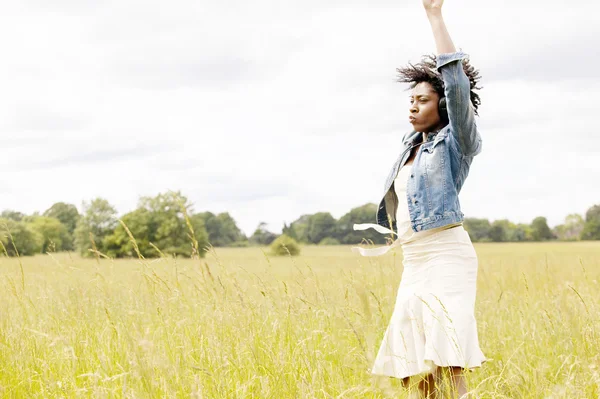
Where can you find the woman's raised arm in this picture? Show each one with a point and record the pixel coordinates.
(443, 42)
(457, 86)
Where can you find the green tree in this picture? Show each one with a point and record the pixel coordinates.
(66, 213)
(167, 226)
(262, 236)
(320, 225)
(571, 229)
(53, 233)
(289, 231)
(345, 233)
(12, 215)
(144, 226)
(298, 229)
(222, 229)
(478, 229)
(499, 231)
(504, 230)
(20, 235)
(591, 229)
(99, 219)
(540, 230)
(523, 232)
(140, 224)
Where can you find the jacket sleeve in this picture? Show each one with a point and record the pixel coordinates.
(458, 99)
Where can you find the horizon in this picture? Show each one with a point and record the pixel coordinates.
(248, 234)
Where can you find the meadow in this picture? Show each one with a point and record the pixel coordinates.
(243, 324)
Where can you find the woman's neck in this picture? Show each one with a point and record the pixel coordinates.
(430, 135)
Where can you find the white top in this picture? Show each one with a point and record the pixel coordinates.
(402, 214)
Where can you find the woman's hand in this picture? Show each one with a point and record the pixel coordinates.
(433, 5)
(443, 42)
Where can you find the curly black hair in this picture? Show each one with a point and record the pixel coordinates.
(426, 71)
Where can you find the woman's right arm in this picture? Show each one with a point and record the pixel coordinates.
(443, 41)
(457, 86)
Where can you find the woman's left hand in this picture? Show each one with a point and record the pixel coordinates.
(433, 4)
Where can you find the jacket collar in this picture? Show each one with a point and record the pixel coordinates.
(415, 137)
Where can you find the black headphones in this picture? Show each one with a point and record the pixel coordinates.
(443, 110)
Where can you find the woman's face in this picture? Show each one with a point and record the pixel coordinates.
(424, 113)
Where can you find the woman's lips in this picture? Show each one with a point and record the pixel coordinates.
(412, 120)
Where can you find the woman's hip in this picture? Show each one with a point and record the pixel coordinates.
(444, 263)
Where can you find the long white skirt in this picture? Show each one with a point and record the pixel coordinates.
(433, 322)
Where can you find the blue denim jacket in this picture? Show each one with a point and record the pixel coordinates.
(441, 164)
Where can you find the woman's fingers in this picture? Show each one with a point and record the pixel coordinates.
(433, 4)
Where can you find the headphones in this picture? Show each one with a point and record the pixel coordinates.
(443, 109)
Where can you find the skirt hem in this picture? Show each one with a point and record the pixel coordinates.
(432, 367)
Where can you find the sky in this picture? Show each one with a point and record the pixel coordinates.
(270, 110)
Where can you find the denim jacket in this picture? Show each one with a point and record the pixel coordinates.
(441, 164)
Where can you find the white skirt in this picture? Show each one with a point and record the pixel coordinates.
(433, 322)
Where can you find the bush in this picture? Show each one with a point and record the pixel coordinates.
(329, 241)
(283, 244)
(27, 240)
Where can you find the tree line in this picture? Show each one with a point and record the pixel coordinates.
(166, 225)
(322, 228)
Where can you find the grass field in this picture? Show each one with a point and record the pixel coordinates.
(241, 324)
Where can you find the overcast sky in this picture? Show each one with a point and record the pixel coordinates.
(272, 109)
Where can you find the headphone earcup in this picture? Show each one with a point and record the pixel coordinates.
(443, 109)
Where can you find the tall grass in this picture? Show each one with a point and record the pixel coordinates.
(242, 324)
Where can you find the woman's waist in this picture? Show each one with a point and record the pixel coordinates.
(450, 232)
(454, 232)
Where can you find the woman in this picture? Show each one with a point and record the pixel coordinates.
(432, 333)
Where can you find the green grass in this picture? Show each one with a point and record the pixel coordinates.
(240, 324)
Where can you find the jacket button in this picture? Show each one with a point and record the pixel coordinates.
(411, 176)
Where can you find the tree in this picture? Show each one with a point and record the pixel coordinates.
(571, 229)
(345, 233)
(66, 213)
(478, 229)
(523, 232)
(158, 221)
(222, 229)
(499, 231)
(118, 244)
(504, 230)
(53, 234)
(99, 219)
(591, 229)
(12, 215)
(540, 230)
(289, 231)
(320, 225)
(262, 236)
(168, 227)
(20, 235)
(298, 229)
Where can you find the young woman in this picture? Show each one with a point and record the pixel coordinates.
(432, 333)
